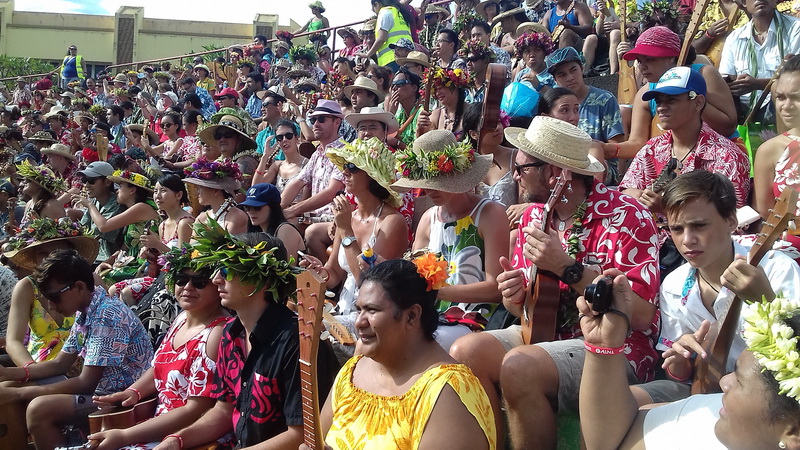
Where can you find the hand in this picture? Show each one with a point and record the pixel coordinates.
(544, 250)
(343, 213)
(511, 283)
(169, 444)
(682, 349)
(109, 439)
(743, 84)
(10, 394)
(717, 28)
(514, 213)
(531, 78)
(394, 99)
(622, 48)
(305, 447)
(747, 281)
(79, 200)
(150, 240)
(424, 120)
(608, 27)
(652, 201)
(332, 230)
(608, 330)
(122, 398)
(565, 23)
(102, 268)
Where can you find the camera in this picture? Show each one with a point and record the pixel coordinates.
(600, 295)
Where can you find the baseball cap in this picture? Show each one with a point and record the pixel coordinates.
(8, 188)
(227, 91)
(656, 42)
(403, 43)
(562, 55)
(678, 80)
(97, 169)
(261, 194)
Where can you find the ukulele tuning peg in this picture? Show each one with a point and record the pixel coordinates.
(792, 225)
(325, 335)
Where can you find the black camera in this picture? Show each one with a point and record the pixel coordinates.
(600, 295)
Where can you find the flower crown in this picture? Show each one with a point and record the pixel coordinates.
(73, 84)
(43, 176)
(426, 164)
(134, 178)
(284, 36)
(433, 268)
(458, 78)
(176, 260)
(339, 80)
(97, 110)
(303, 51)
(465, 20)
(204, 169)
(45, 229)
(648, 9)
(257, 266)
(774, 343)
(540, 40)
(477, 48)
(161, 75)
(119, 92)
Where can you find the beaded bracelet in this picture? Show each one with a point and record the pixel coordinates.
(27, 374)
(176, 436)
(708, 35)
(603, 350)
(669, 372)
(135, 391)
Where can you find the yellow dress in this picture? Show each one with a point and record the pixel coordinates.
(45, 337)
(362, 420)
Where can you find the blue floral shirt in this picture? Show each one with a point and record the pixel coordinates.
(108, 334)
(599, 115)
(208, 108)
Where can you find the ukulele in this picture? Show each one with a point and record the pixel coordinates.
(717, 343)
(668, 173)
(490, 115)
(714, 52)
(559, 29)
(627, 86)
(543, 292)
(310, 305)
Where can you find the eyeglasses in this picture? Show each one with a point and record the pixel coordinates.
(350, 167)
(400, 83)
(442, 41)
(198, 281)
(224, 135)
(287, 136)
(315, 119)
(519, 167)
(166, 124)
(55, 297)
(473, 59)
(91, 180)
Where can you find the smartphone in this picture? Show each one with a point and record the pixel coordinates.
(302, 255)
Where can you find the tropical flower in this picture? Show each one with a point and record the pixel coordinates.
(434, 269)
(425, 164)
(208, 170)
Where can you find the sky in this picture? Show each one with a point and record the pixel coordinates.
(236, 11)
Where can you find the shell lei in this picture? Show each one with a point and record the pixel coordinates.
(574, 241)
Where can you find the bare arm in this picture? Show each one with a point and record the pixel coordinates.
(210, 427)
(18, 317)
(720, 111)
(449, 409)
(584, 16)
(289, 193)
(640, 130)
(764, 174)
(317, 201)
(136, 213)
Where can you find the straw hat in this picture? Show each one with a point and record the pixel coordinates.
(57, 112)
(84, 115)
(456, 167)
(282, 44)
(60, 150)
(558, 143)
(133, 178)
(121, 78)
(307, 81)
(231, 122)
(203, 67)
(42, 136)
(481, 8)
(369, 25)
(349, 31)
(298, 70)
(152, 135)
(220, 174)
(509, 13)
(433, 9)
(373, 157)
(317, 4)
(531, 27)
(21, 249)
(43, 176)
(416, 58)
(283, 63)
(367, 84)
(374, 113)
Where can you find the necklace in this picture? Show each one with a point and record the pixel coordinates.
(374, 214)
(574, 240)
(680, 161)
(707, 283)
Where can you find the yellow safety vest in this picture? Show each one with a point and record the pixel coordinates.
(399, 30)
(78, 67)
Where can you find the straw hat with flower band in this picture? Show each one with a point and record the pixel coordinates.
(152, 135)
(298, 71)
(132, 178)
(532, 27)
(303, 52)
(220, 174)
(42, 136)
(434, 9)
(43, 176)
(558, 143)
(228, 120)
(373, 157)
(22, 248)
(307, 82)
(366, 84)
(349, 31)
(60, 150)
(120, 78)
(438, 162)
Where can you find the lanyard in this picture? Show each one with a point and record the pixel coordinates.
(752, 50)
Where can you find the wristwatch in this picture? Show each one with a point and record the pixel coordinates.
(573, 273)
(348, 241)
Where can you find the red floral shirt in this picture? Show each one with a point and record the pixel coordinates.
(618, 232)
(713, 152)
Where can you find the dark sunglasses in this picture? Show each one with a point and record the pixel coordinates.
(265, 104)
(224, 135)
(227, 97)
(519, 167)
(198, 281)
(88, 180)
(400, 83)
(166, 124)
(55, 297)
(280, 137)
(473, 59)
(315, 119)
(430, 16)
(350, 167)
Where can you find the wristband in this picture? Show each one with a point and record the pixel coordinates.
(669, 372)
(27, 374)
(260, 172)
(176, 436)
(29, 363)
(709, 36)
(616, 154)
(603, 350)
(138, 394)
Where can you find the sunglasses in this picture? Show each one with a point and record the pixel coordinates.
(315, 119)
(55, 297)
(350, 167)
(227, 97)
(265, 104)
(287, 136)
(400, 83)
(519, 167)
(224, 135)
(252, 208)
(473, 59)
(198, 281)
(93, 180)
(166, 124)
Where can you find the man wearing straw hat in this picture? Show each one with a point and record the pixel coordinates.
(435, 17)
(363, 93)
(592, 228)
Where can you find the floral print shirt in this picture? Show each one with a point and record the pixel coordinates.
(618, 232)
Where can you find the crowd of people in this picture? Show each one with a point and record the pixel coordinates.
(466, 226)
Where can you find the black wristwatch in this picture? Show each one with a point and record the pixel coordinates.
(573, 273)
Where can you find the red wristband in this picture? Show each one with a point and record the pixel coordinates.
(176, 436)
(616, 154)
(669, 372)
(603, 350)
(709, 36)
(27, 374)
(29, 363)
(138, 394)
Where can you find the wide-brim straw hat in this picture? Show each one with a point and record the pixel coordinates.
(532, 27)
(84, 115)
(481, 8)
(152, 135)
(138, 181)
(298, 70)
(558, 143)
(506, 14)
(225, 184)
(282, 44)
(415, 57)
(232, 123)
(86, 246)
(366, 84)
(120, 78)
(307, 81)
(374, 158)
(42, 136)
(349, 31)
(60, 150)
(454, 182)
(433, 9)
(374, 113)
(317, 4)
(369, 25)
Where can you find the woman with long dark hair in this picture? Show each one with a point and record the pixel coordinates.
(263, 207)
(498, 184)
(450, 89)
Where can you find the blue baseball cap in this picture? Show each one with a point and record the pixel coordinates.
(678, 80)
(261, 194)
(560, 56)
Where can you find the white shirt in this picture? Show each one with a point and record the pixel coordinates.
(736, 55)
(682, 309)
(684, 425)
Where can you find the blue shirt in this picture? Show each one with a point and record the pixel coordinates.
(600, 116)
(109, 335)
(208, 108)
(253, 106)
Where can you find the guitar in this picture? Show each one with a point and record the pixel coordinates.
(310, 305)
(627, 86)
(543, 292)
(121, 417)
(714, 51)
(559, 29)
(490, 115)
(717, 343)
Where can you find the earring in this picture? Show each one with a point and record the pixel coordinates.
(781, 444)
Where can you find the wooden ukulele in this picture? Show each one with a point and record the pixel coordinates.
(559, 29)
(627, 86)
(717, 343)
(310, 305)
(490, 115)
(543, 291)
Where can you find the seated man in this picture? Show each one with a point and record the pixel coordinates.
(680, 96)
(257, 381)
(540, 380)
(114, 345)
(575, 18)
(701, 208)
